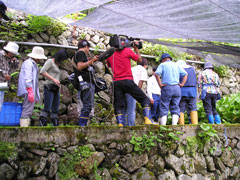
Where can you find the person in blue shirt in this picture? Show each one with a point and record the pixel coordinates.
(189, 94)
(168, 74)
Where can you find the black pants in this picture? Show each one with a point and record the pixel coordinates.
(209, 104)
(127, 86)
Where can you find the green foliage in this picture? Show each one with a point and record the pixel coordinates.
(222, 71)
(206, 133)
(13, 31)
(228, 108)
(67, 163)
(97, 176)
(7, 150)
(168, 136)
(76, 16)
(143, 143)
(37, 109)
(37, 24)
(157, 50)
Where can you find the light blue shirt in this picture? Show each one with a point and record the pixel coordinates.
(28, 77)
(170, 72)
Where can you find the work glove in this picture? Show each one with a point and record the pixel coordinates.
(30, 94)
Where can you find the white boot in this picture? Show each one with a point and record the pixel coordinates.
(24, 122)
(163, 120)
(175, 118)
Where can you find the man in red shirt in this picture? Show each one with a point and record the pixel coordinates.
(123, 83)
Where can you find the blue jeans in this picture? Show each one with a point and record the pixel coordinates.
(188, 103)
(170, 98)
(1, 99)
(155, 108)
(209, 104)
(51, 103)
(131, 110)
(87, 98)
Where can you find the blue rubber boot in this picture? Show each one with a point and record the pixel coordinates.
(210, 119)
(83, 119)
(147, 116)
(120, 119)
(217, 119)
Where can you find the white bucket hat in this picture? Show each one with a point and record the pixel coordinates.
(12, 47)
(183, 64)
(37, 53)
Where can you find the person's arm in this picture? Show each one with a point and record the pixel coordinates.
(159, 81)
(149, 90)
(140, 83)
(183, 81)
(83, 65)
(45, 74)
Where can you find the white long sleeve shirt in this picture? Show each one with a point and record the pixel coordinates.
(153, 87)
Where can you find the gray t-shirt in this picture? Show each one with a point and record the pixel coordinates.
(52, 69)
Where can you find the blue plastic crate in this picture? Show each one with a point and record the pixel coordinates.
(10, 114)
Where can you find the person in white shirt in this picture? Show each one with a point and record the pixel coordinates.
(139, 77)
(154, 94)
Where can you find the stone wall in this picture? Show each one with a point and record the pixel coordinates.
(111, 153)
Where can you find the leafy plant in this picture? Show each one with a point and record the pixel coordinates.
(97, 176)
(168, 136)
(7, 150)
(37, 24)
(143, 143)
(222, 71)
(67, 163)
(206, 133)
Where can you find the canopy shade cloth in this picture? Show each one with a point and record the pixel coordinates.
(211, 20)
(53, 8)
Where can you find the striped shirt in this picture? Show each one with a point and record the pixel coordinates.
(210, 78)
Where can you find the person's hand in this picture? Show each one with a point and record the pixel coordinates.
(30, 94)
(181, 84)
(57, 82)
(162, 85)
(94, 59)
(151, 101)
(7, 77)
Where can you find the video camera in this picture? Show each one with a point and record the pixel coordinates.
(122, 41)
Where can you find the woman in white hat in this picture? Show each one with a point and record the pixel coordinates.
(28, 84)
(7, 57)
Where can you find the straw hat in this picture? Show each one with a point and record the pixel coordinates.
(12, 47)
(37, 53)
(183, 64)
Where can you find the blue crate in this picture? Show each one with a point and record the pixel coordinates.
(10, 114)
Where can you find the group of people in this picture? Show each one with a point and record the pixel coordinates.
(173, 86)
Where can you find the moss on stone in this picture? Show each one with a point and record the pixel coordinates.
(7, 150)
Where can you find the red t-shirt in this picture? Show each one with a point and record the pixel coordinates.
(121, 65)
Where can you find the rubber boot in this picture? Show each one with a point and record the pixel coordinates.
(55, 121)
(147, 116)
(194, 117)
(217, 119)
(175, 118)
(120, 119)
(181, 118)
(163, 120)
(83, 119)
(210, 119)
(42, 121)
(24, 122)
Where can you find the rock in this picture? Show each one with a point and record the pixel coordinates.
(124, 149)
(224, 90)
(105, 175)
(197, 177)
(219, 164)
(119, 173)
(180, 151)
(188, 165)
(38, 178)
(67, 98)
(167, 175)
(112, 145)
(25, 167)
(64, 75)
(7, 172)
(39, 152)
(52, 39)
(37, 38)
(175, 163)
(62, 40)
(184, 177)
(62, 109)
(39, 166)
(52, 162)
(111, 158)
(156, 164)
(88, 37)
(85, 167)
(200, 164)
(72, 113)
(227, 158)
(210, 163)
(44, 36)
(164, 149)
(143, 174)
(60, 151)
(132, 162)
